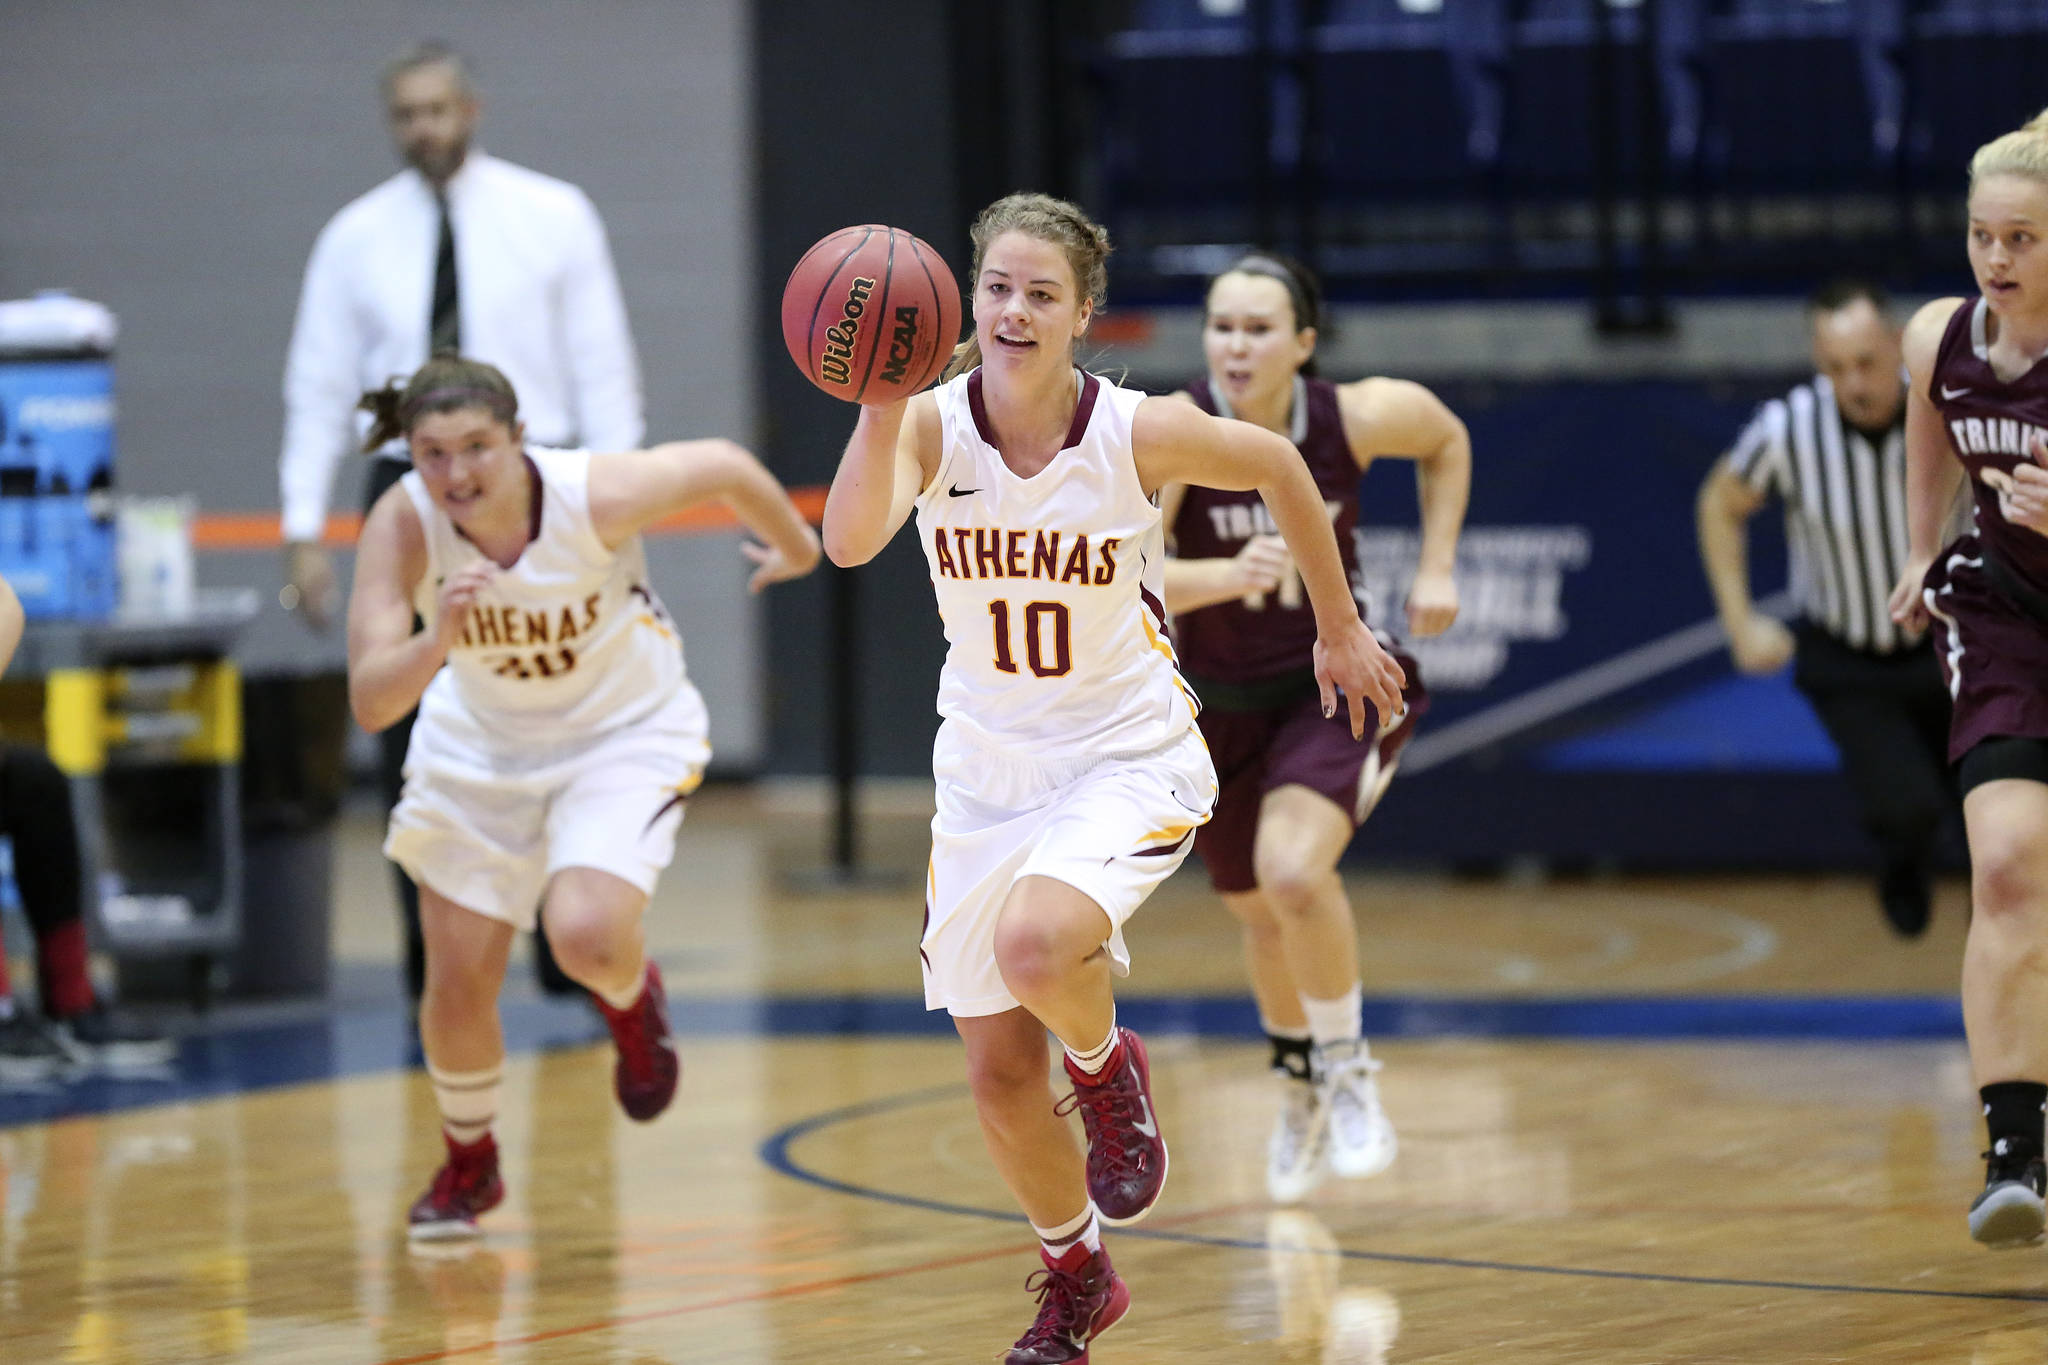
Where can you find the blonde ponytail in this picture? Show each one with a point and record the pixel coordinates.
(1066, 226)
(2024, 151)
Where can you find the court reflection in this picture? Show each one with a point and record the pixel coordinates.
(1323, 1301)
(174, 1234)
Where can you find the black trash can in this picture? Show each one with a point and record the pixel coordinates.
(294, 733)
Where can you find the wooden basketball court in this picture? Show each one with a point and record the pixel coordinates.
(1642, 1119)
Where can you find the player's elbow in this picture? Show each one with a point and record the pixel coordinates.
(846, 546)
(373, 712)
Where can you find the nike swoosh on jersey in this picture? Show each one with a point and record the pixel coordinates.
(1949, 395)
(956, 491)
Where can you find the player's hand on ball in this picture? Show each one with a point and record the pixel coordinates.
(1350, 658)
(1261, 564)
(459, 592)
(1432, 603)
(1760, 645)
(774, 565)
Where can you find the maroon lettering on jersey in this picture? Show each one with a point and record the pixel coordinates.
(1991, 423)
(1241, 642)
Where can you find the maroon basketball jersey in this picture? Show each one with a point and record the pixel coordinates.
(1251, 641)
(1991, 424)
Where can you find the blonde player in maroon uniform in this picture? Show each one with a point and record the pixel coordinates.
(1070, 775)
(1294, 786)
(558, 733)
(1977, 409)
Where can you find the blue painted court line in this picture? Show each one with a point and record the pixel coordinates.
(231, 1059)
(774, 1152)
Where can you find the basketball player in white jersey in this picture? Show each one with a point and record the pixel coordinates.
(1070, 774)
(558, 734)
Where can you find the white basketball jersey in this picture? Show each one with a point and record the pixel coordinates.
(1051, 588)
(567, 643)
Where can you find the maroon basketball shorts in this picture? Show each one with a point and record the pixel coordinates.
(1994, 656)
(1292, 744)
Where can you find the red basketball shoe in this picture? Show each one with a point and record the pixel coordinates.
(1079, 1298)
(466, 1186)
(1126, 1155)
(645, 1076)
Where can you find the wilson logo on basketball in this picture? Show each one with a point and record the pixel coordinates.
(836, 365)
(902, 345)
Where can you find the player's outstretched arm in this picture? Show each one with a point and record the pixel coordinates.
(890, 459)
(630, 492)
(1402, 419)
(1174, 442)
(1932, 473)
(389, 666)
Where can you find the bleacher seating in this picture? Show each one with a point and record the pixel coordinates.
(1801, 96)
(1195, 112)
(1406, 97)
(1973, 69)
(1380, 115)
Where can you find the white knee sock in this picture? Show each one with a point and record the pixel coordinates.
(468, 1100)
(1336, 1021)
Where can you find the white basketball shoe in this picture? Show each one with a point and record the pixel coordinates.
(1296, 1150)
(1361, 1139)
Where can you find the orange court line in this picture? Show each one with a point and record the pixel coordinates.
(260, 531)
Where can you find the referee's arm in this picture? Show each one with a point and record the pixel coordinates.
(1759, 643)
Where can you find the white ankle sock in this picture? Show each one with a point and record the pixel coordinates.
(1336, 1021)
(1095, 1058)
(629, 997)
(1082, 1228)
(468, 1100)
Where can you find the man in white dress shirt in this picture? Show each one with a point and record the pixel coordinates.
(459, 251)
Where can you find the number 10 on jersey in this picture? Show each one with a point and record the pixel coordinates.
(1041, 619)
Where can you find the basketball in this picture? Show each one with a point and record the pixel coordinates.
(870, 314)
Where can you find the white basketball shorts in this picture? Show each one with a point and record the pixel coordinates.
(1112, 827)
(488, 831)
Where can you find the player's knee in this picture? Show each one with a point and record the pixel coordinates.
(459, 985)
(586, 946)
(2007, 879)
(1031, 953)
(1290, 885)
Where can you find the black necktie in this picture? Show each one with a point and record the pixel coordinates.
(444, 332)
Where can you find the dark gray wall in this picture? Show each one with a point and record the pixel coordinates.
(854, 127)
(175, 160)
(965, 109)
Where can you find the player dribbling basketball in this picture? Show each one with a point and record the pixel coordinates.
(1296, 786)
(558, 734)
(1070, 775)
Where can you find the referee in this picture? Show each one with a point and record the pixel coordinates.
(1833, 450)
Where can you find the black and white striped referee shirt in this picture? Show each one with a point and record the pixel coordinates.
(1845, 509)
